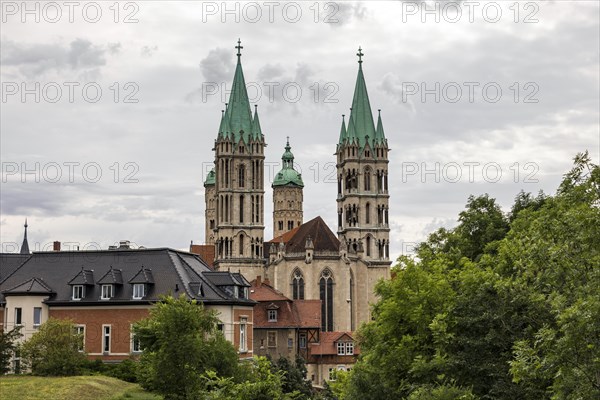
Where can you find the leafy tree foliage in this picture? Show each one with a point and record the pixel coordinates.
(53, 349)
(294, 376)
(262, 382)
(500, 307)
(180, 343)
(8, 345)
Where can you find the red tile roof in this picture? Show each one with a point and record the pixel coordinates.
(327, 343)
(290, 313)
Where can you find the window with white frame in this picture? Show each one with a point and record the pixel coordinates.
(349, 348)
(106, 338)
(243, 335)
(37, 316)
(139, 290)
(78, 292)
(79, 330)
(107, 292)
(272, 315)
(345, 348)
(18, 316)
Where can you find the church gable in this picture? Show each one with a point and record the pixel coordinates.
(315, 230)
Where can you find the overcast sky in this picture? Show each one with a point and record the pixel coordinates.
(493, 97)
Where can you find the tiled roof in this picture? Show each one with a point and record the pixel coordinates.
(290, 313)
(172, 271)
(112, 276)
(9, 262)
(327, 343)
(322, 237)
(32, 286)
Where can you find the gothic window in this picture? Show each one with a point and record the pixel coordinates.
(241, 175)
(367, 179)
(368, 213)
(290, 225)
(326, 296)
(298, 285)
(241, 209)
(368, 246)
(280, 224)
(241, 245)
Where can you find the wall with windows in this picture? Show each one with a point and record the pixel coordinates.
(275, 343)
(106, 329)
(33, 312)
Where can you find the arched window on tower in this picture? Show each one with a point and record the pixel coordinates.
(368, 213)
(241, 175)
(241, 244)
(367, 179)
(368, 245)
(297, 285)
(326, 296)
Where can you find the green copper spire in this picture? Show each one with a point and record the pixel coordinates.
(256, 131)
(343, 130)
(379, 135)
(210, 178)
(238, 114)
(288, 175)
(351, 133)
(361, 117)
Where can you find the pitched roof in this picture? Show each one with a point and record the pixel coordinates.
(29, 287)
(83, 277)
(9, 262)
(112, 276)
(322, 237)
(171, 270)
(327, 343)
(290, 313)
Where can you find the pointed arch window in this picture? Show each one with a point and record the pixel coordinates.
(367, 179)
(326, 296)
(298, 285)
(241, 174)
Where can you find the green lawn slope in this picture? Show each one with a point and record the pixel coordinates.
(95, 387)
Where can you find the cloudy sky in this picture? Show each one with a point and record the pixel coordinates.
(108, 114)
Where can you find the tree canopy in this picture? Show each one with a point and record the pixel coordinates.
(500, 307)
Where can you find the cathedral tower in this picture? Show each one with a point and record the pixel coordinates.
(239, 184)
(362, 172)
(287, 195)
(210, 210)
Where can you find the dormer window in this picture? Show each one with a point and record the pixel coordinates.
(139, 290)
(107, 292)
(345, 348)
(78, 292)
(272, 315)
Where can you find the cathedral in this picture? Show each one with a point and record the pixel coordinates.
(304, 260)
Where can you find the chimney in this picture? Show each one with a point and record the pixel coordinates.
(267, 281)
(258, 281)
(56, 246)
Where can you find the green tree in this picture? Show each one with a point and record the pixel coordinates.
(262, 382)
(294, 376)
(8, 345)
(53, 349)
(180, 343)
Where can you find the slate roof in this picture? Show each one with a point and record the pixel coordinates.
(166, 271)
(295, 240)
(31, 287)
(112, 276)
(290, 313)
(9, 262)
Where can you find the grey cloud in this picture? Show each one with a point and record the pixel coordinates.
(218, 65)
(270, 72)
(37, 59)
(344, 13)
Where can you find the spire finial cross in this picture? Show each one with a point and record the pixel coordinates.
(239, 47)
(360, 54)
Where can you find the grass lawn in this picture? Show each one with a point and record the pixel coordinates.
(95, 387)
